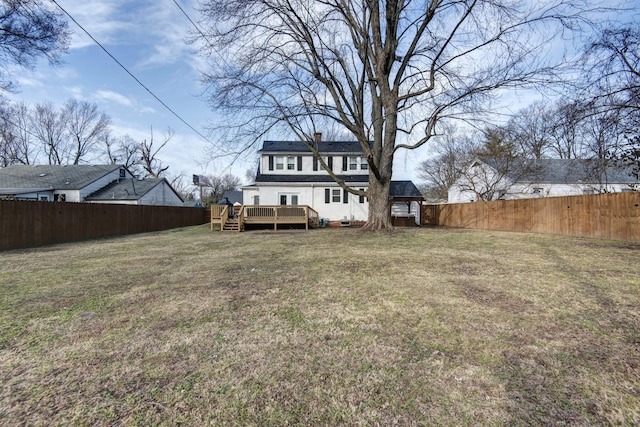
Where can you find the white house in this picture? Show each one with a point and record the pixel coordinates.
(496, 179)
(289, 174)
(84, 183)
(131, 191)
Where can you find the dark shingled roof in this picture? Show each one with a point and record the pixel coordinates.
(233, 196)
(57, 177)
(329, 147)
(563, 171)
(404, 189)
(125, 189)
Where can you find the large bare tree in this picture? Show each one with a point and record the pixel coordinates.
(48, 126)
(149, 160)
(387, 71)
(86, 126)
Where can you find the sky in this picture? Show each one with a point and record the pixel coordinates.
(149, 38)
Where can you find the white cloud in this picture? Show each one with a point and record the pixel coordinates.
(100, 19)
(167, 29)
(112, 96)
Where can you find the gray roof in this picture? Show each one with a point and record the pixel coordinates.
(126, 189)
(54, 177)
(404, 189)
(564, 171)
(329, 147)
(233, 196)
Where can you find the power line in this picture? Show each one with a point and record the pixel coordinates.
(133, 76)
(190, 20)
(202, 33)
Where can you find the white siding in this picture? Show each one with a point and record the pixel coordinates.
(38, 195)
(401, 209)
(160, 195)
(98, 184)
(538, 190)
(312, 195)
(307, 165)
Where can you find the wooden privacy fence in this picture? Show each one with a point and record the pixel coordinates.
(608, 216)
(25, 224)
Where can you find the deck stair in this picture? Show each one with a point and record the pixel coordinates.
(232, 224)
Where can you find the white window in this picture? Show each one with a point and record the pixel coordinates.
(353, 163)
(363, 163)
(279, 162)
(335, 196)
(537, 190)
(291, 163)
(256, 200)
(288, 199)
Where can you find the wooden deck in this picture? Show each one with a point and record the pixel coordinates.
(263, 215)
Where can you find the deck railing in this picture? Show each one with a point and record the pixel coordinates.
(275, 215)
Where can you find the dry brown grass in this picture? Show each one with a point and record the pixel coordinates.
(329, 327)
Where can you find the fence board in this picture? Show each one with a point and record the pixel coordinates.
(607, 216)
(25, 224)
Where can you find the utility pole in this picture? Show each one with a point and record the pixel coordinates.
(200, 182)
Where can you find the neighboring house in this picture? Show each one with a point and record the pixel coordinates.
(289, 174)
(492, 179)
(80, 183)
(131, 191)
(234, 197)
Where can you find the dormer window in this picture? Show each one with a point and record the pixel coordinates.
(291, 163)
(279, 162)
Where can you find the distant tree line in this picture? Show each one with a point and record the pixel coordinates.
(598, 119)
(79, 133)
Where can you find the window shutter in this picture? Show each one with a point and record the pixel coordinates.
(361, 200)
(344, 163)
(299, 163)
(315, 163)
(270, 163)
(345, 195)
(330, 163)
(327, 195)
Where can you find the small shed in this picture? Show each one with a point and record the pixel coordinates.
(406, 201)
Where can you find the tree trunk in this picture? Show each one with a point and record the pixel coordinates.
(379, 206)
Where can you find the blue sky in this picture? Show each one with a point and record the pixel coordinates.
(149, 38)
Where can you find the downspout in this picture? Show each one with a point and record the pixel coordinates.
(313, 195)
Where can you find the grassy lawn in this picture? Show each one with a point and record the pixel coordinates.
(327, 327)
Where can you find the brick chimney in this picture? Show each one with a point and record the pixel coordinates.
(318, 136)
